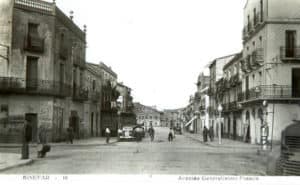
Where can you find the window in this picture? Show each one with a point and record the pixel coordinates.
(33, 29)
(290, 43)
(94, 85)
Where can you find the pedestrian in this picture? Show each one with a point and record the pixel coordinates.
(26, 138)
(211, 133)
(205, 132)
(151, 133)
(171, 135)
(70, 134)
(107, 134)
(43, 147)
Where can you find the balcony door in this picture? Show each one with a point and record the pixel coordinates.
(296, 82)
(32, 73)
(290, 43)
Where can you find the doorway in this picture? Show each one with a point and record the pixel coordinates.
(92, 124)
(296, 82)
(234, 128)
(32, 121)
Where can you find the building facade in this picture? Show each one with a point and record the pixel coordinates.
(92, 107)
(271, 67)
(39, 44)
(215, 96)
(125, 106)
(232, 110)
(147, 116)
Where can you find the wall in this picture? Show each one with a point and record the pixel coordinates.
(6, 12)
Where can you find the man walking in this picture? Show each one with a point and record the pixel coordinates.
(205, 132)
(107, 135)
(151, 133)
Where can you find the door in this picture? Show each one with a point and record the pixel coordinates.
(61, 78)
(229, 126)
(296, 82)
(32, 73)
(290, 43)
(234, 128)
(32, 121)
(92, 124)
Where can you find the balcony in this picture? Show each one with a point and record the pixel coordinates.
(80, 94)
(258, 57)
(290, 54)
(278, 92)
(94, 96)
(252, 27)
(34, 43)
(235, 80)
(12, 85)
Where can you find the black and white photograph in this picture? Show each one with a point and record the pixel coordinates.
(181, 91)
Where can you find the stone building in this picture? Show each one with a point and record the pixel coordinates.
(126, 107)
(201, 103)
(216, 74)
(231, 88)
(271, 56)
(41, 70)
(92, 107)
(147, 115)
(109, 97)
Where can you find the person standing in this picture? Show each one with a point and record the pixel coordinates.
(171, 135)
(43, 147)
(151, 133)
(211, 133)
(107, 134)
(70, 134)
(205, 132)
(26, 138)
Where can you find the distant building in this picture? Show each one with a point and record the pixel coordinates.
(147, 115)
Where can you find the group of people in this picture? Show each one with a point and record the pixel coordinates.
(208, 133)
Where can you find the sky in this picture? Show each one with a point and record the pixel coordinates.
(159, 47)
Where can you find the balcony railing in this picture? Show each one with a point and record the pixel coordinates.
(271, 92)
(258, 57)
(12, 85)
(251, 27)
(34, 44)
(290, 53)
(80, 94)
(36, 5)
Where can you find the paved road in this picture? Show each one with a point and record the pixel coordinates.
(182, 156)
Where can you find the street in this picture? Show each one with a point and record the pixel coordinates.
(182, 156)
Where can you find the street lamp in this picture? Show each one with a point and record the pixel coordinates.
(220, 109)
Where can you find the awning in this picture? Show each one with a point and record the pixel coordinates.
(190, 122)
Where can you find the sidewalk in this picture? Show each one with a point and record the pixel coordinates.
(82, 142)
(226, 143)
(9, 160)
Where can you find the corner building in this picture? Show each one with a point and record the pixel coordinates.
(271, 58)
(41, 70)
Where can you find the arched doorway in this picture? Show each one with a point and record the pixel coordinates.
(229, 125)
(234, 128)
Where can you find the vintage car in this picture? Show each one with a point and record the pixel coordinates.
(127, 133)
(139, 132)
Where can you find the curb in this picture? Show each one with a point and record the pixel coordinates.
(58, 145)
(27, 162)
